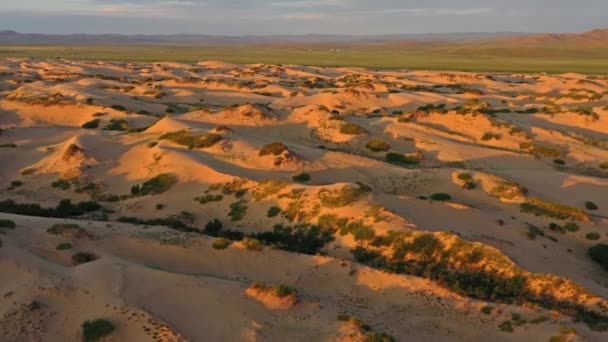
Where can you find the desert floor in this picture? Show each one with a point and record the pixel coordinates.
(219, 202)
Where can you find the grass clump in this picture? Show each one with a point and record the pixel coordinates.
(63, 246)
(252, 244)
(360, 231)
(558, 211)
(93, 331)
(487, 309)
(378, 145)
(276, 148)
(221, 243)
(209, 198)
(91, 124)
(301, 177)
(352, 129)
(593, 236)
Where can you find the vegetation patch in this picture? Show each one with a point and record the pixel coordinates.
(599, 254)
(83, 258)
(352, 129)
(221, 243)
(275, 149)
(192, 141)
(91, 124)
(304, 238)
(155, 185)
(64, 209)
(238, 210)
(378, 145)
(340, 198)
(301, 177)
(402, 159)
(93, 331)
(558, 211)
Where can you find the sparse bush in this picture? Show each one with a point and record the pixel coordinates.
(378, 145)
(16, 183)
(593, 236)
(209, 198)
(339, 198)
(275, 149)
(5, 223)
(558, 211)
(303, 238)
(352, 129)
(489, 136)
(64, 209)
(283, 290)
(93, 331)
(487, 309)
(190, 140)
(591, 206)
(301, 177)
(221, 243)
(91, 124)
(273, 211)
(117, 125)
(61, 184)
(157, 185)
(604, 165)
(440, 196)
(213, 227)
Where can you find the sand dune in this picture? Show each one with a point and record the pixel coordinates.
(221, 202)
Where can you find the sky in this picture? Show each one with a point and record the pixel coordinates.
(297, 17)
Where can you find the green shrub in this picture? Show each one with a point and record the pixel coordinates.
(440, 196)
(5, 223)
(91, 124)
(157, 184)
(93, 331)
(591, 206)
(487, 309)
(306, 239)
(360, 231)
(63, 246)
(117, 125)
(339, 198)
(489, 136)
(275, 149)
(273, 211)
(599, 254)
(213, 227)
(252, 244)
(64, 209)
(209, 198)
(352, 129)
(572, 227)
(238, 210)
(506, 326)
(593, 236)
(221, 243)
(16, 183)
(465, 177)
(301, 177)
(61, 184)
(8, 145)
(378, 145)
(401, 159)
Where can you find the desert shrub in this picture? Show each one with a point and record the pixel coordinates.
(64, 209)
(604, 165)
(378, 145)
(273, 211)
(440, 196)
(401, 159)
(98, 114)
(465, 177)
(572, 227)
(339, 198)
(221, 243)
(213, 227)
(238, 210)
(489, 136)
(599, 254)
(591, 206)
(117, 125)
(252, 244)
(331, 222)
(16, 183)
(360, 231)
(63, 246)
(301, 177)
(61, 184)
(559, 162)
(91, 124)
(93, 331)
(8, 145)
(283, 290)
(275, 149)
(540, 150)
(378, 337)
(6, 223)
(209, 198)
(306, 239)
(558, 211)
(487, 309)
(72, 230)
(593, 236)
(352, 129)
(176, 222)
(506, 326)
(83, 257)
(157, 184)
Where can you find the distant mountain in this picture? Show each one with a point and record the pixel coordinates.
(594, 37)
(12, 37)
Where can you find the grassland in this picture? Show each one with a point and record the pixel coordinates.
(507, 58)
